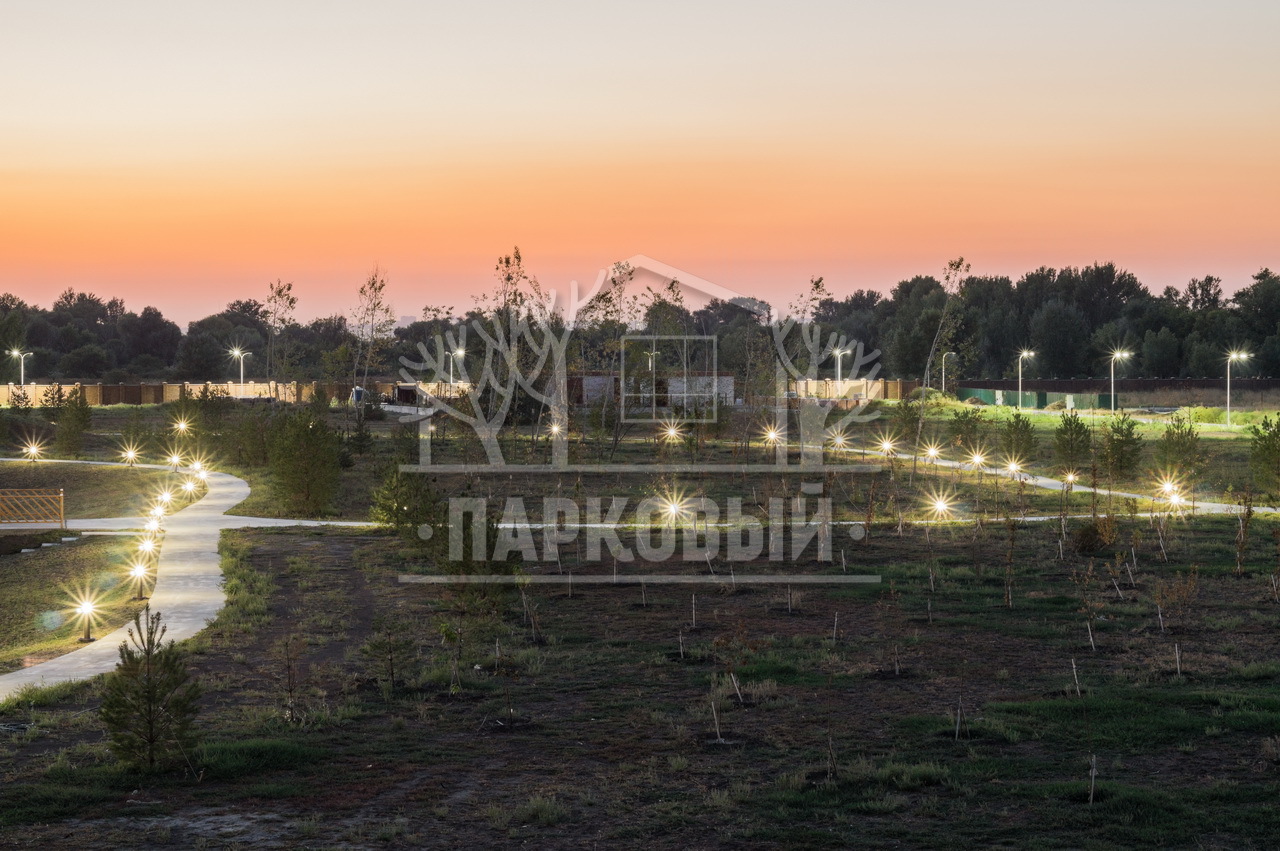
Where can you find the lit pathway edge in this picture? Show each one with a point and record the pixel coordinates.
(188, 584)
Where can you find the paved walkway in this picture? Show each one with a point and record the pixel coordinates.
(188, 584)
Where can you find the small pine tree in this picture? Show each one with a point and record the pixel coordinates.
(1264, 453)
(52, 401)
(1121, 447)
(1018, 439)
(1179, 451)
(19, 400)
(149, 704)
(304, 461)
(407, 501)
(965, 428)
(75, 420)
(1072, 441)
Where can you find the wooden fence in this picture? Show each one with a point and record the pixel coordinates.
(32, 505)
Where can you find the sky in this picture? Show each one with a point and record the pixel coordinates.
(183, 155)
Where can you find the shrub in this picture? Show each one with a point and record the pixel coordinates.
(149, 702)
(1206, 415)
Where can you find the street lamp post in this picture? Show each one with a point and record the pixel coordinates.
(1024, 354)
(22, 364)
(240, 354)
(1115, 356)
(652, 354)
(453, 356)
(944, 371)
(1232, 356)
(839, 353)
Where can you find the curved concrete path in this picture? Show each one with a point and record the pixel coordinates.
(188, 583)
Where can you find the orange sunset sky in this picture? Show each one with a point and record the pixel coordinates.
(183, 155)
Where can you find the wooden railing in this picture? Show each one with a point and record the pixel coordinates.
(32, 505)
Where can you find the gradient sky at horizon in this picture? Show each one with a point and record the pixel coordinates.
(183, 155)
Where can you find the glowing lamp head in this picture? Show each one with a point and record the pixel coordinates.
(1070, 478)
(181, 426)
(1175, 499)
(188, 486)
(977, 458)
(166, 496)
(85, 608)
(886, 445)
(932, 452)
(175, 460)
(153, 525)
(941, 506)
(138, 571)
(203, 475)
(772, 435)
(673, 432)
(197, 466)
(130, 455)
(555, 428)
(840, 441)
(147, 545)
(1167, 487)
(1014, 467)
(1121, 355)
(1239, 356)
(32, 450)
(1026, 353)
(236, 353)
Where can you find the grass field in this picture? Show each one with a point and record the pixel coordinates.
(37, 618)
(936, 709)
(91, 491)
(1003, 684)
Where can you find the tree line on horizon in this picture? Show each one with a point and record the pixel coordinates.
(1072, 318)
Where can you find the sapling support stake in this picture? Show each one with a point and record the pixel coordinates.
(835, 623)
(1177, 658)
(693, 608)
(1089, 626)
(1093, 775)
(1160, 615)
(733, 678)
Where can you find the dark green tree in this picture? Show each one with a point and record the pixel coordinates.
(75, 420)
(1264, 454)
(304, 461)
(1121, 447)
(1018, 439)
(1178, 451)
(1072, 442)
(149, 703)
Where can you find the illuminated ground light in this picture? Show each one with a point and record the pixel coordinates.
(152, 525)
(1167, 487)
(181, 426)
(85, 609)
(1176, 500)
(977, 459)
(1069, 478)
(772, 435)
(176, 460)
(189, 486)
(147, 546)
(887, 446)
(940, 506)
(671, 431)
(931, 452)
(197, 465)
(554, 428)
(165, 496)
(839, 441)
(139, 573)
(1014, 468)
(674, 508)
(130, 456)
(202, 475)
(32, 451)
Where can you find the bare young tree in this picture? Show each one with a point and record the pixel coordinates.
(371, 323)
(277, 313)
